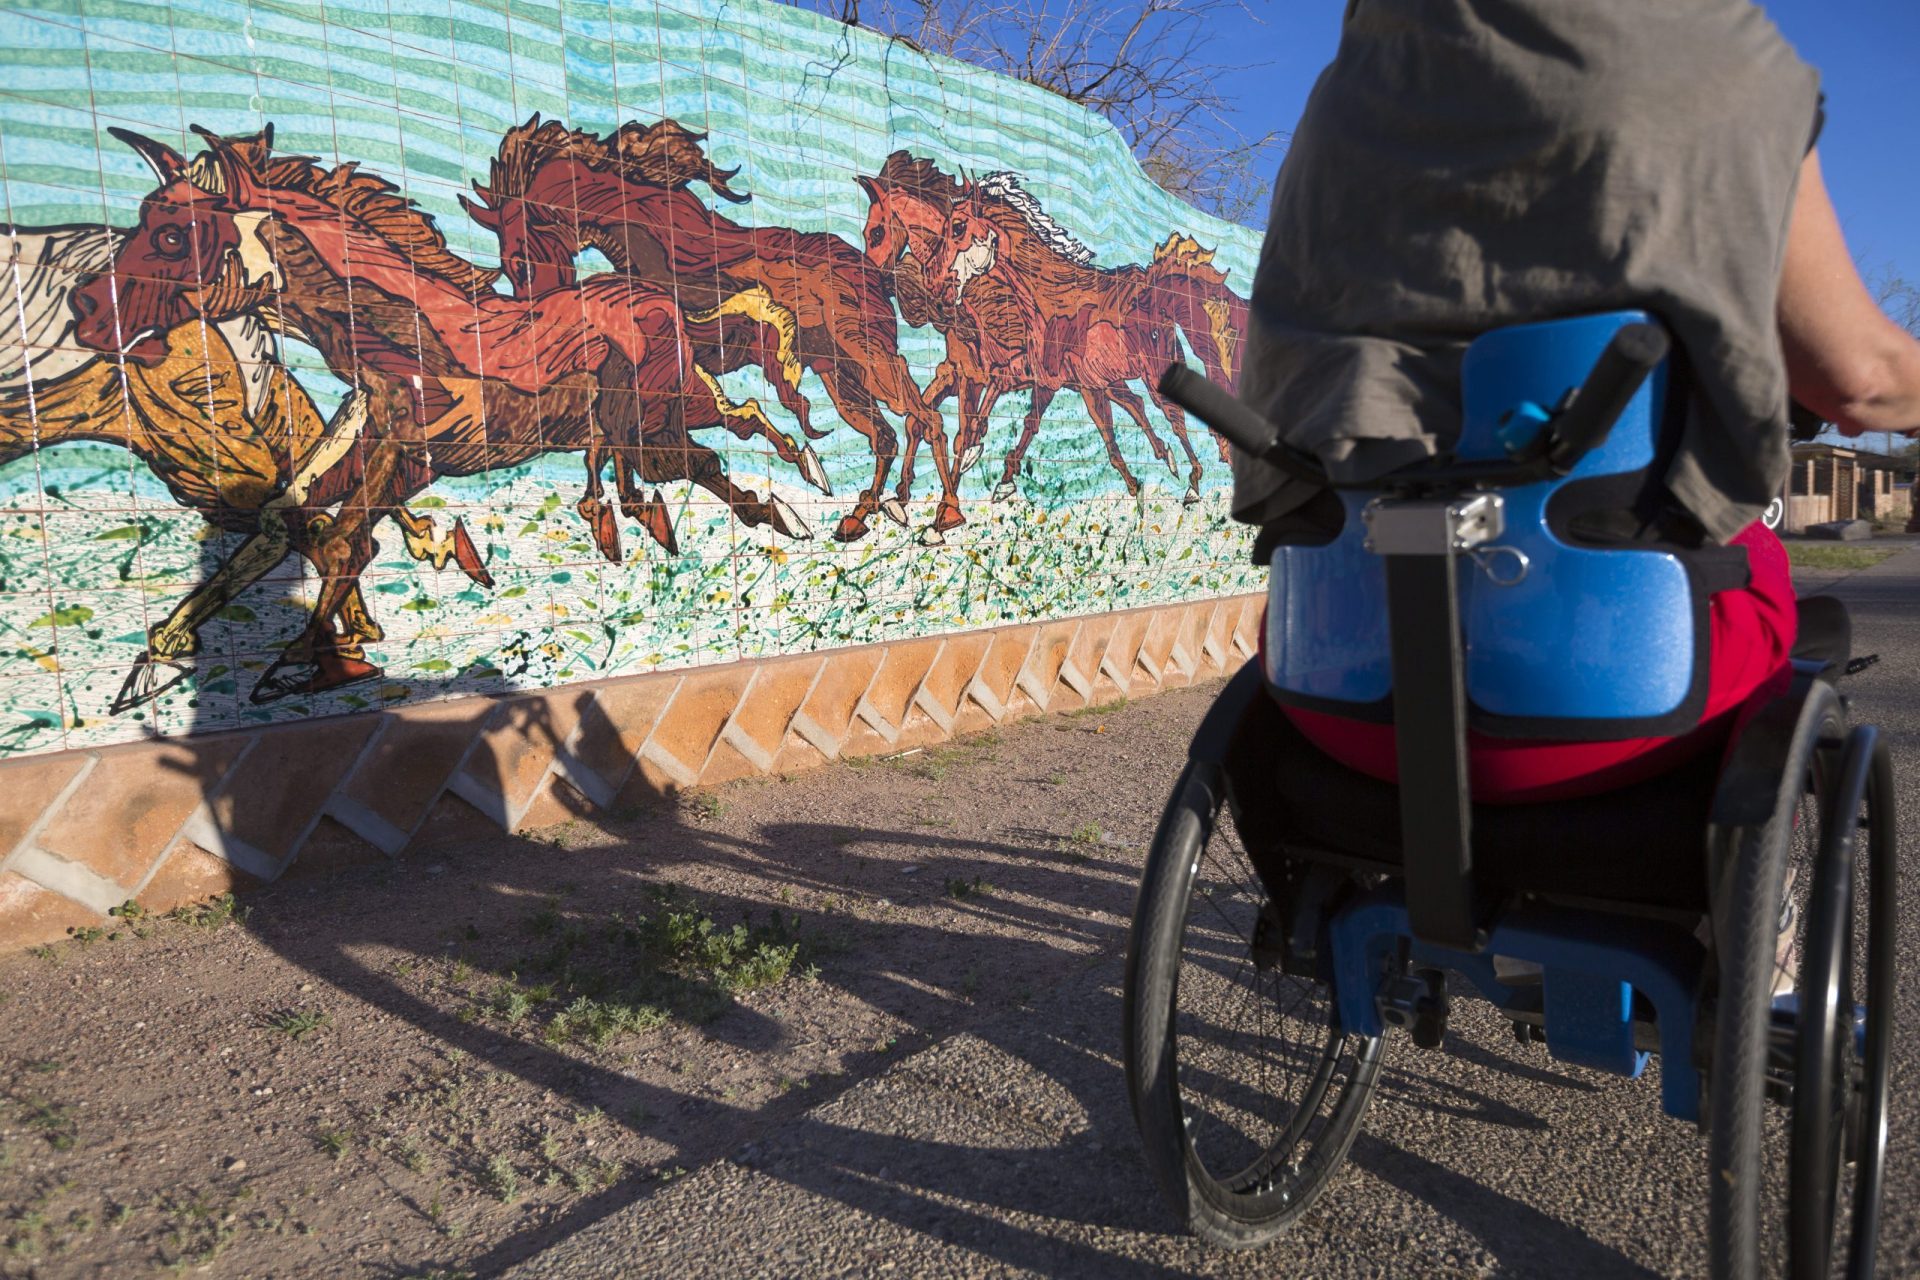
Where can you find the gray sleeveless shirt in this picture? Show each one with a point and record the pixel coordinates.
(1466, 164)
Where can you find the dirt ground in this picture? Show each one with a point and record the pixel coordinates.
(438, 1066)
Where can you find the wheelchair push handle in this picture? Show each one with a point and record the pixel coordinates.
(1244, 429)
(1634, 351)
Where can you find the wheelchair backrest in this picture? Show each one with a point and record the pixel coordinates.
(1563, 639)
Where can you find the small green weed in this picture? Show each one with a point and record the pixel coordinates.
(335, 1142)
(502, 1180)
(298, 1023)
(86, 935)
(974, 888)
(52, 1120)
(213, 914)
(1088, 833)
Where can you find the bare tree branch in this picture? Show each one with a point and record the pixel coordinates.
(1143, 65)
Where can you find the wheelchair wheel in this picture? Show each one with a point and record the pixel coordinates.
(1247, 1092)
(1837, 1130)
(1782, 1179)
(1746, 915)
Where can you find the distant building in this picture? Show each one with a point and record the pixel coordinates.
(1832, 482)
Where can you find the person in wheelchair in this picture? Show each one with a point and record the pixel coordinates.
(1538, 280)
(1466, 166)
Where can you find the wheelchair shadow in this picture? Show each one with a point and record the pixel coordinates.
(1015, 1141)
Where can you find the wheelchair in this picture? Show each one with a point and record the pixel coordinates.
(1293, 914)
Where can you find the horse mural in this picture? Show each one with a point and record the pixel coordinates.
(554, 192)
(164, 339)
(215, 417)
(1021, 304)
(454, 378)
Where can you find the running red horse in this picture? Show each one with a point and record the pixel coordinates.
(554, 192)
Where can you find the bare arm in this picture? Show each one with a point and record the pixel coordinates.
(1845, 359)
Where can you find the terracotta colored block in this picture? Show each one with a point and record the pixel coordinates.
(885, 703)
(759, 723)
(1085, 654)
(408, 766)
(191, 874)
(862, 740)
(1189, 638)
(826, 715)
(30, 915)
(724, 764)
(972, 718)
(1156, 644)
(1120, 663)
(1047, 661)
(1217, 646)
(1246, 634)
(945, 686)
(332, 847)
(797, 755)
(993, 685)
(128, 809)
(645, 787)
(687, 730)
(555, 803)
(27, 787)
(512, 756)
(273, 796)
(453, 820)
(615, 726)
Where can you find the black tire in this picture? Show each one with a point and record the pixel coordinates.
(1822, 1043)
(1236, 1159)
(1746, 934)
(1838, 1130)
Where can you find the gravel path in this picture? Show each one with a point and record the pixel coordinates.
(1009, 1150)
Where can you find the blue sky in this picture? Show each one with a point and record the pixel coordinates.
(1867, 52)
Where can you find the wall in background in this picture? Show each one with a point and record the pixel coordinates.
(639, 338)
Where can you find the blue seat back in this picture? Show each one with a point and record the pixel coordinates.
(1590, 643)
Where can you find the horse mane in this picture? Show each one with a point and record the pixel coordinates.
(663, 154)
(920, 177)
(378, 205)
(1006, 186)
(1182, 255)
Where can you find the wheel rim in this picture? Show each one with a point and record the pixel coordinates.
(1263, 1073)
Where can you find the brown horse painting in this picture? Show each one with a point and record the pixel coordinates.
(216, 418)
(455, 379)
(554, 192)
(1034, 310)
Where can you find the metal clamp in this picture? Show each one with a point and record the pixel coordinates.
(1427, 527)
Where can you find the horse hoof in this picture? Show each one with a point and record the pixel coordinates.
(1004, 490)
(1173, 468)
(467, 556)
(894, 511)
(968, 459)
(931, 537)
(787, 522)
(1192, 497)
(286, 679)
(149, 678)
(948, 517)
(851, 528)
(659, 524)
(812, 472)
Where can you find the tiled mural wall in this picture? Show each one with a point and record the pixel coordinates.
(364, 354)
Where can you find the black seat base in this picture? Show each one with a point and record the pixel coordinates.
(1641, 846)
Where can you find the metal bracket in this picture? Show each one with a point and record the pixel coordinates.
(1428, 527)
